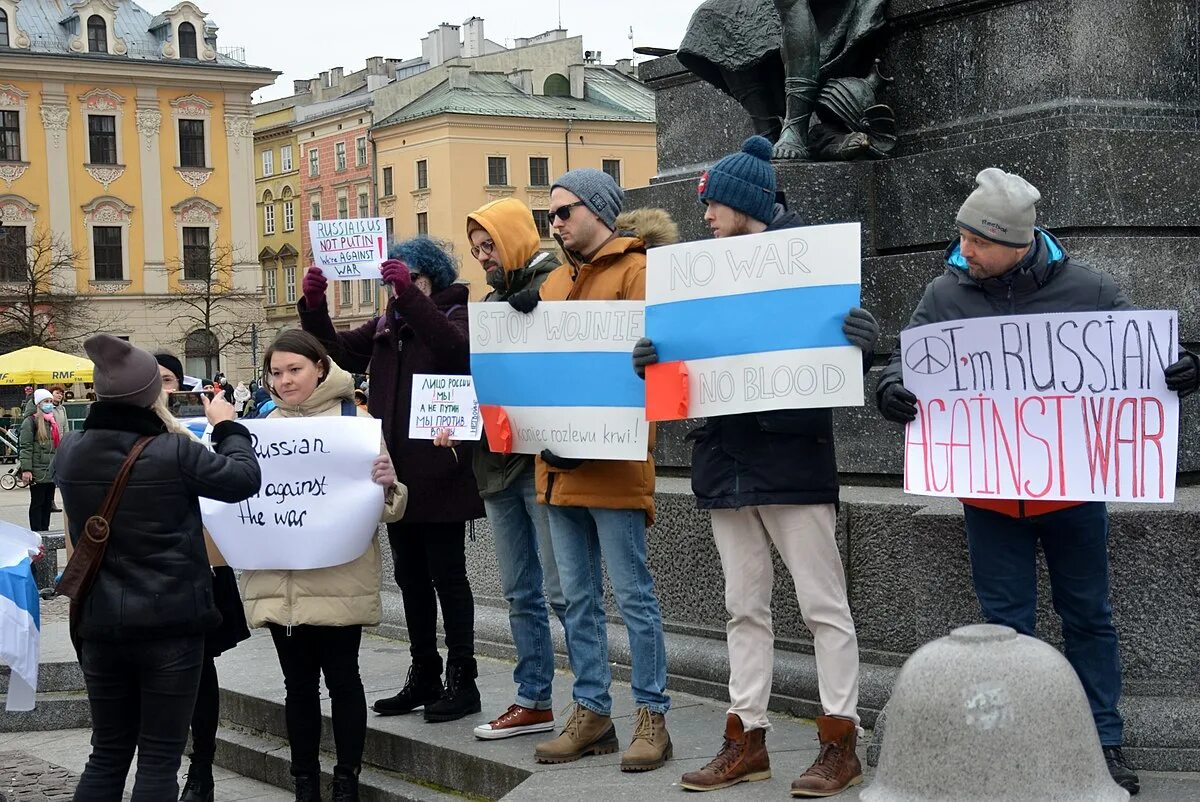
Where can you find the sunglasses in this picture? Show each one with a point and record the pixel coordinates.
(487, 246)
(564, 212)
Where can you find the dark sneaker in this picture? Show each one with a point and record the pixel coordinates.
(1120, 770)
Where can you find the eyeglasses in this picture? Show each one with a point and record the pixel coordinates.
(564, 212)
(487, 246)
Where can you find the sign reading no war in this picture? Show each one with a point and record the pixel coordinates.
(349, 249)
(1057, 407)
(560, 378)
(754, 323)
(317, 505)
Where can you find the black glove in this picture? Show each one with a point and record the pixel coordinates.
(861, 329)
(562, 463)
(644, 353)
(897, 404)
(525, 301)
(1183, 377)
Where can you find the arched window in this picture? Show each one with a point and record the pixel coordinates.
(3, 28)
(556, 85)
(200, 352)
(187, 40)
(97, 34)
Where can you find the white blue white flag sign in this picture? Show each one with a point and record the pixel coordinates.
(560, 378)
(754, 323)
(20, 614)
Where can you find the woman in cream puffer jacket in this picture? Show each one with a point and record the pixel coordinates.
(316, 616)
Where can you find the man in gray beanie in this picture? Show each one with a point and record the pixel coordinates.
(1003, 264)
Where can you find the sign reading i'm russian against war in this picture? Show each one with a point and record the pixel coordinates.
(349, 249)
(1055, 407)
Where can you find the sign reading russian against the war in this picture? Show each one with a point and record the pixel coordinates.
(560, 378)
(317, 505)
(754, 323)
(444, 404)
(1055, 407)
(349, 249)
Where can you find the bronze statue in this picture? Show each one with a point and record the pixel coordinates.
(783, 60)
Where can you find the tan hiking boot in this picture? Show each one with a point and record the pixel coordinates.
(585, 733)
(742, 759)
(837, 767)
(651, 746)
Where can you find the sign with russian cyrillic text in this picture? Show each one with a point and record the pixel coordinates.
(1056, 407)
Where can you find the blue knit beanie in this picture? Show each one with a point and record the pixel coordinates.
(744, 180)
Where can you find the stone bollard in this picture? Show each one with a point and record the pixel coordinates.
(992, 716)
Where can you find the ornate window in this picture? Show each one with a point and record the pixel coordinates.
(11, 34)
(539, 171)
(102, 139)
(12, 133)
(269, 219)
(285, 159)
(107, 220)
(3, 28)
(197, 254)
(197, 221)
(14, 251)
(191, 143)
(97, 34)
(107, 253)
(541, 219)
(193, 116)
(10, 136)
(104, 118)
(423, 174)
(289, 215)
(187, 41)
(271, 283)
(497, 171)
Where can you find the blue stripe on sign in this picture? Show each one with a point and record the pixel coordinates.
(573, 379)
(17, 585)
(728, 325)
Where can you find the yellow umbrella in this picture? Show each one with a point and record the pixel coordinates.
(37, 365)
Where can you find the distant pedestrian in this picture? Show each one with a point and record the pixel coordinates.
(38, 443)
(142, 625)
(316, 616)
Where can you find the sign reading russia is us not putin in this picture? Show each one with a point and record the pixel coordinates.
(754, 323)
(349, 249)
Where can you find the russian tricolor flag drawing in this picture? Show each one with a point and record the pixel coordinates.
(754, 323)
(560, 378)
(20, 614)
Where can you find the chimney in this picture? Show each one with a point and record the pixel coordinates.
(473, 38)
(625, 66)
(523, 80)
(460, 76)
(300, 87)
(325, 79)
(335, 76)
(577, 79)
(375, 65)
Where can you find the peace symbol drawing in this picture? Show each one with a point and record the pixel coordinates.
(928, 355)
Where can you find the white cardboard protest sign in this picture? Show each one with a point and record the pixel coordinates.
(1054, 407)
(560, 378)
(755, 321)
(444, 403)
(317, 506)
(349, 249)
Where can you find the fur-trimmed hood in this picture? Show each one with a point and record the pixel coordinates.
(653, 226)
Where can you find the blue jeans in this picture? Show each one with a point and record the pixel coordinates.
(522, 530)
(582, 535)
(1075, 542)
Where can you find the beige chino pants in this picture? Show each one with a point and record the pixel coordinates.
(804, 537)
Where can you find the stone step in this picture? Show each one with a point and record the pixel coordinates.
(263, 757)
(57, 710)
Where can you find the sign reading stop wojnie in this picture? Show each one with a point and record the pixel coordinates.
(1056, 407)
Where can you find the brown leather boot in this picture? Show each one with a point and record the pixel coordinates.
(651, 745)
(742, 759)
(837, 767)
(585, 733)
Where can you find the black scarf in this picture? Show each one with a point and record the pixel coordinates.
(124, 418)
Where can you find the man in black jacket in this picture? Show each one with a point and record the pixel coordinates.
(771, 477)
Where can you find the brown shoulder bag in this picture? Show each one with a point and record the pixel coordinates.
(88, 555)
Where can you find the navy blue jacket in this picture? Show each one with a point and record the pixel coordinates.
(757, 458)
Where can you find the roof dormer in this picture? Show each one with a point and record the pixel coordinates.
(93, 28)
(186, 34)
(11, 35)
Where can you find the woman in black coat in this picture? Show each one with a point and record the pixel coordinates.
(142, 626)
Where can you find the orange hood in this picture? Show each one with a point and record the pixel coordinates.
(510, 225)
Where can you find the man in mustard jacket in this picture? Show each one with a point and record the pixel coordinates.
(602, 507)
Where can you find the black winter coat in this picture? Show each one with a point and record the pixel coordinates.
(758, 458)
(155, 581)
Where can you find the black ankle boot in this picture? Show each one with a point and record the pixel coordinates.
(308, 787)
(345, 785)
(422, 687)
(199, 785)
(461, 697)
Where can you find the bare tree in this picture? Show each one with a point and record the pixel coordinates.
(40, 303)
(210, 301)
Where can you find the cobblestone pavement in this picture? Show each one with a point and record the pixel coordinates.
(24, 778)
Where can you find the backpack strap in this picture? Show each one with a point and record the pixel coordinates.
(349, 409)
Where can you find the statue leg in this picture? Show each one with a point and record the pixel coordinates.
(760, 98)
(801, 64)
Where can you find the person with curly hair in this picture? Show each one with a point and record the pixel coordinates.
(424, 330)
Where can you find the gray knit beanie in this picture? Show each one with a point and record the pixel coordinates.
(598, 191)
(1003, 208)
(124, 373)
